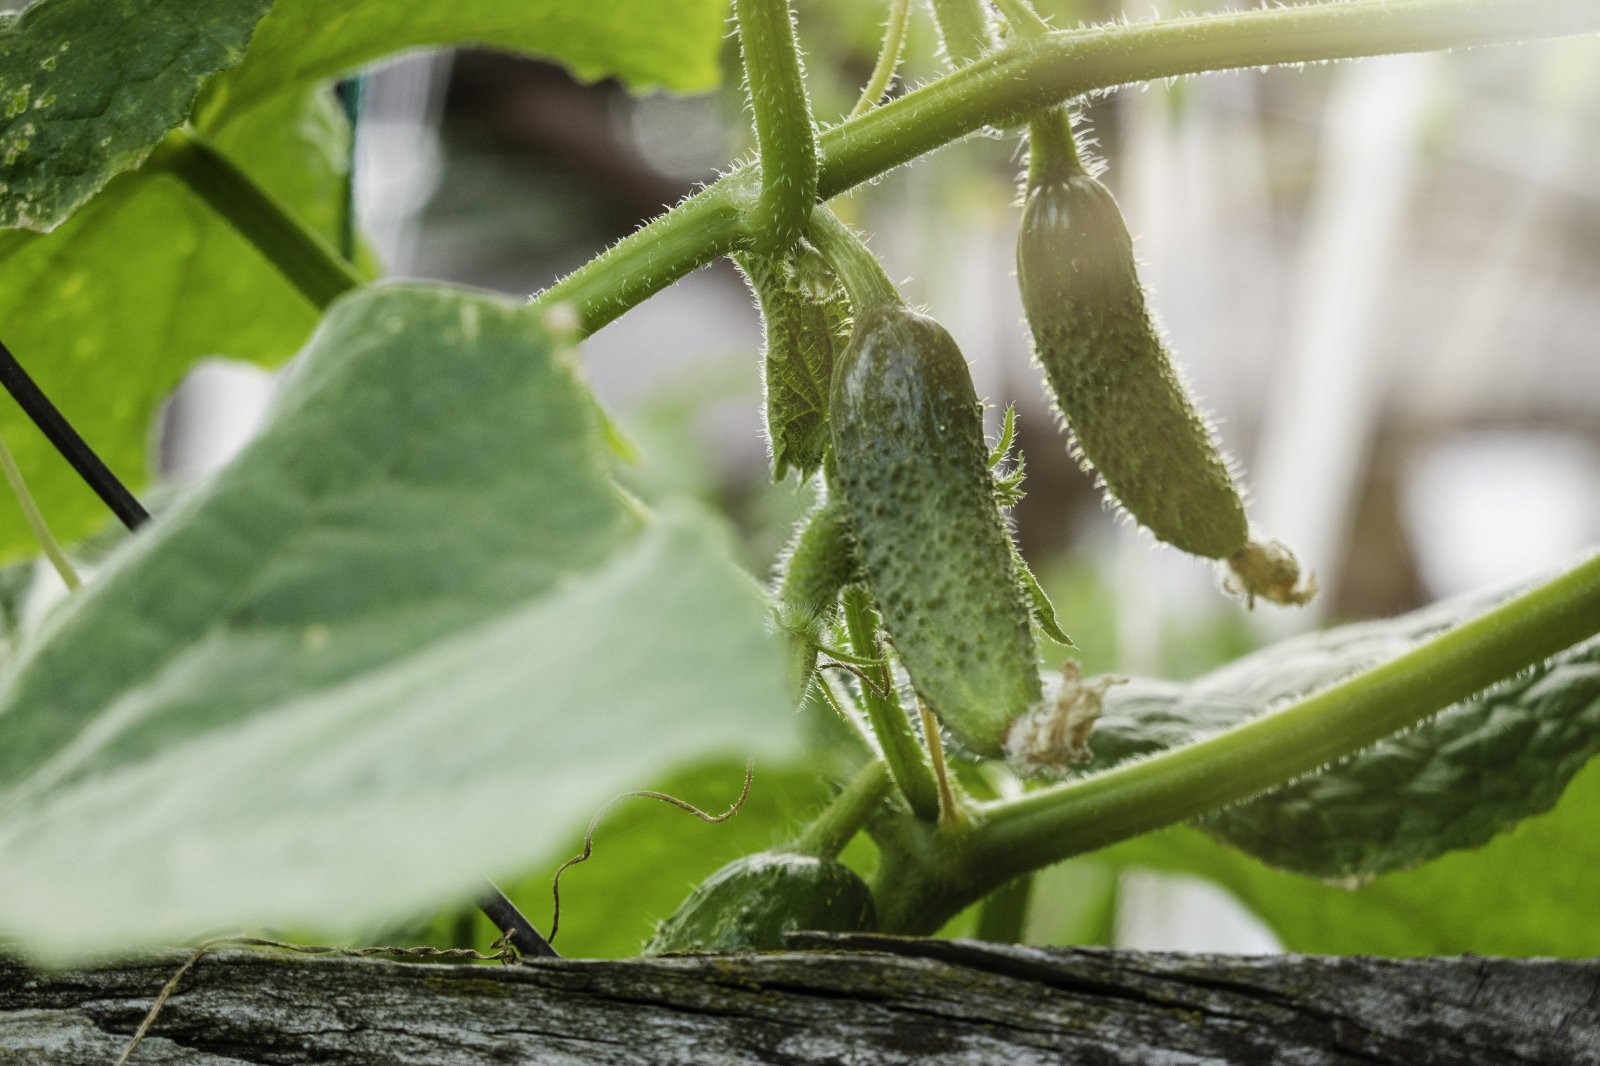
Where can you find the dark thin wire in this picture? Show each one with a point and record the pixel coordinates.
(72, 447)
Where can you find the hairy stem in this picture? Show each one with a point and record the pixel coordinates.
(827, 835)
(786, 137)
(894, 36)
(35, 519)
(858, 269)
(964, 29)
(1032, 74)
(904, 756)
(300, 254)
(1012, 837)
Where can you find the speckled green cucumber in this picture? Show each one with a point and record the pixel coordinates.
(750, 904)
(1130, 416)
(913, 473)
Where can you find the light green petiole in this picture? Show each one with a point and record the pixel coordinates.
(786, 136)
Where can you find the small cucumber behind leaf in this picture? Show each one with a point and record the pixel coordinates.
(1130, 415)
(914, 475)
(1473, 770)
(752, 902)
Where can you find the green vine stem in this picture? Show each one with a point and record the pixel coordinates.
(923, 881)
(307, 261)
(831, 830)
(786, 137)
(894, 36)
(859, 270)
(1052, 151)
(1028, 75)
(964, 29)
(908, 766)
(35, 519)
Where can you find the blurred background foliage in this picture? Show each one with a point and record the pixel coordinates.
(1380, 275)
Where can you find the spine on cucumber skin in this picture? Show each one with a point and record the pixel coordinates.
(913, 474)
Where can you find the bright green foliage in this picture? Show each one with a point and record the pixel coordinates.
(360, 668)
(914, 475)
(750, 903)
(111, 310)
(806, 318)
(87, 88)
(1529, 891)
(646, 43)
(1473, 771)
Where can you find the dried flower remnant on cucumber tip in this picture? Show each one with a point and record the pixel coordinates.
(1115, 384)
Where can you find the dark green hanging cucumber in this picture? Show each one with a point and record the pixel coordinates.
(1130, 416)
(913, 472)
(749, 905)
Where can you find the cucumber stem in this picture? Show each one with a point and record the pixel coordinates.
(786, 136)
(840, 820)
(300, 254)
(964, 29)
(904, 756)
(1052, 152)
(862, 274)
(951, 813)
(1023, 20)
(894, 35)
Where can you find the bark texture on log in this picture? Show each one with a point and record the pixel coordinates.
(862, 999)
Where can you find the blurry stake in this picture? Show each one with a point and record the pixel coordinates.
(501, 911)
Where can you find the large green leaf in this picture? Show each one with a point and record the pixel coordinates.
(1529, 891)
(407, 638)
(646, 43)
(112, 309)
(87, 88)
(1469, 772)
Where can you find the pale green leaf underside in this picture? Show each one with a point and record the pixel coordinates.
(110, 311)
(646, 43)
(87, 88)
(406, 639)
(1472, 771)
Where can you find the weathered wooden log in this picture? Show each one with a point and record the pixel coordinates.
(858, 999)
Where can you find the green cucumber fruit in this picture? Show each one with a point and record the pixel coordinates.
(1473, 770)
(819, 562)
(750, 904)
(1130, 416)
(914, 476)
(806, 319)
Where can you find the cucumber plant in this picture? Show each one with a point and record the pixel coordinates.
(314, 665)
